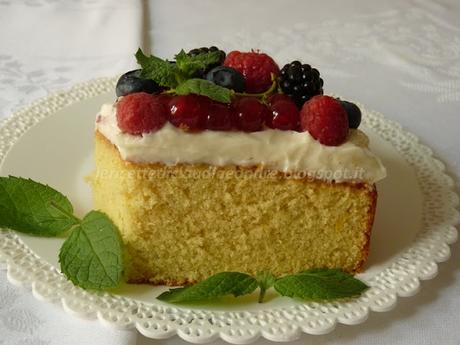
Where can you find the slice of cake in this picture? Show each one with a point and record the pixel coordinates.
(199, 184)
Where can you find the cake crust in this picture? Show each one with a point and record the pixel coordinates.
(116, 182)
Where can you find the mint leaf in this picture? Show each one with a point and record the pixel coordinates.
(34, 208)
(320, 284)
(92, 256)
(205, 88)
(218, 285)
(190, 65)
(161, 71)
(265, 280)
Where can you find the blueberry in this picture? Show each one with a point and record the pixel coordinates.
(227, 77)
(353, 112)
(132, 82)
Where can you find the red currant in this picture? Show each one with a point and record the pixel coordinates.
(250, 114)
(277, 97)
(188, 112)
(284, 115)
(220, 117)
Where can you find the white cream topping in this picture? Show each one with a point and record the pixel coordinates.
(285, 151)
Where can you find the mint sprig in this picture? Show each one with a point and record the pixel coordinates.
(163, 72)
(34, 208)
(91, 257)
(205, 88)
(265, 280)
(190, 65)
(312, 285)
(178, 75)
(218, 285)
(320, 285)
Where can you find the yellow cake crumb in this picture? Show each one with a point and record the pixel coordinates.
(184, 223)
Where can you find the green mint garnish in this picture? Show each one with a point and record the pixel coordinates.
(179, 75)
(163, 72)
(320, 285)
(205, 88)
(34, 208)
(92, 256)
(190, 65)
(218, 285)
(265, 280)
(311, 285)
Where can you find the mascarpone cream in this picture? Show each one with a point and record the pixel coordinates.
(285, 151)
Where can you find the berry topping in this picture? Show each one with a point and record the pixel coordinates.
(203, 50)
(227, 77)
(189, 112)
(284, 115)
(325, 119)
(163, 98)
(300, 82)
(256, 67)
(277, 97)
(139, 113)
(220, 117)
(353, 112)
(131, 82)
(250, 114)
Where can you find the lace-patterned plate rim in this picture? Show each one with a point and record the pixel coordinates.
(159, 321)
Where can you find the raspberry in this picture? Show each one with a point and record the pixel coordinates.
(220, 117)
(255, 67)
(139, 113)
(189, 112)
(250, 114)
(325, 119)
(284, 115)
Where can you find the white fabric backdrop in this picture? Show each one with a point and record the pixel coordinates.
(401, 58)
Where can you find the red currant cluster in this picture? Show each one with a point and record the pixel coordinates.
(141, 112)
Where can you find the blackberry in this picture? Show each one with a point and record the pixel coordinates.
(300, 82)
(202, 50)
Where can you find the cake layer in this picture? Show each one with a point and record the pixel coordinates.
(183, 223)
(285, 151)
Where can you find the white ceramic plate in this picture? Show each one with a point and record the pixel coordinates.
(52, 142)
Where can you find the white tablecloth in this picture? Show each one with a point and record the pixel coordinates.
(401, 58)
